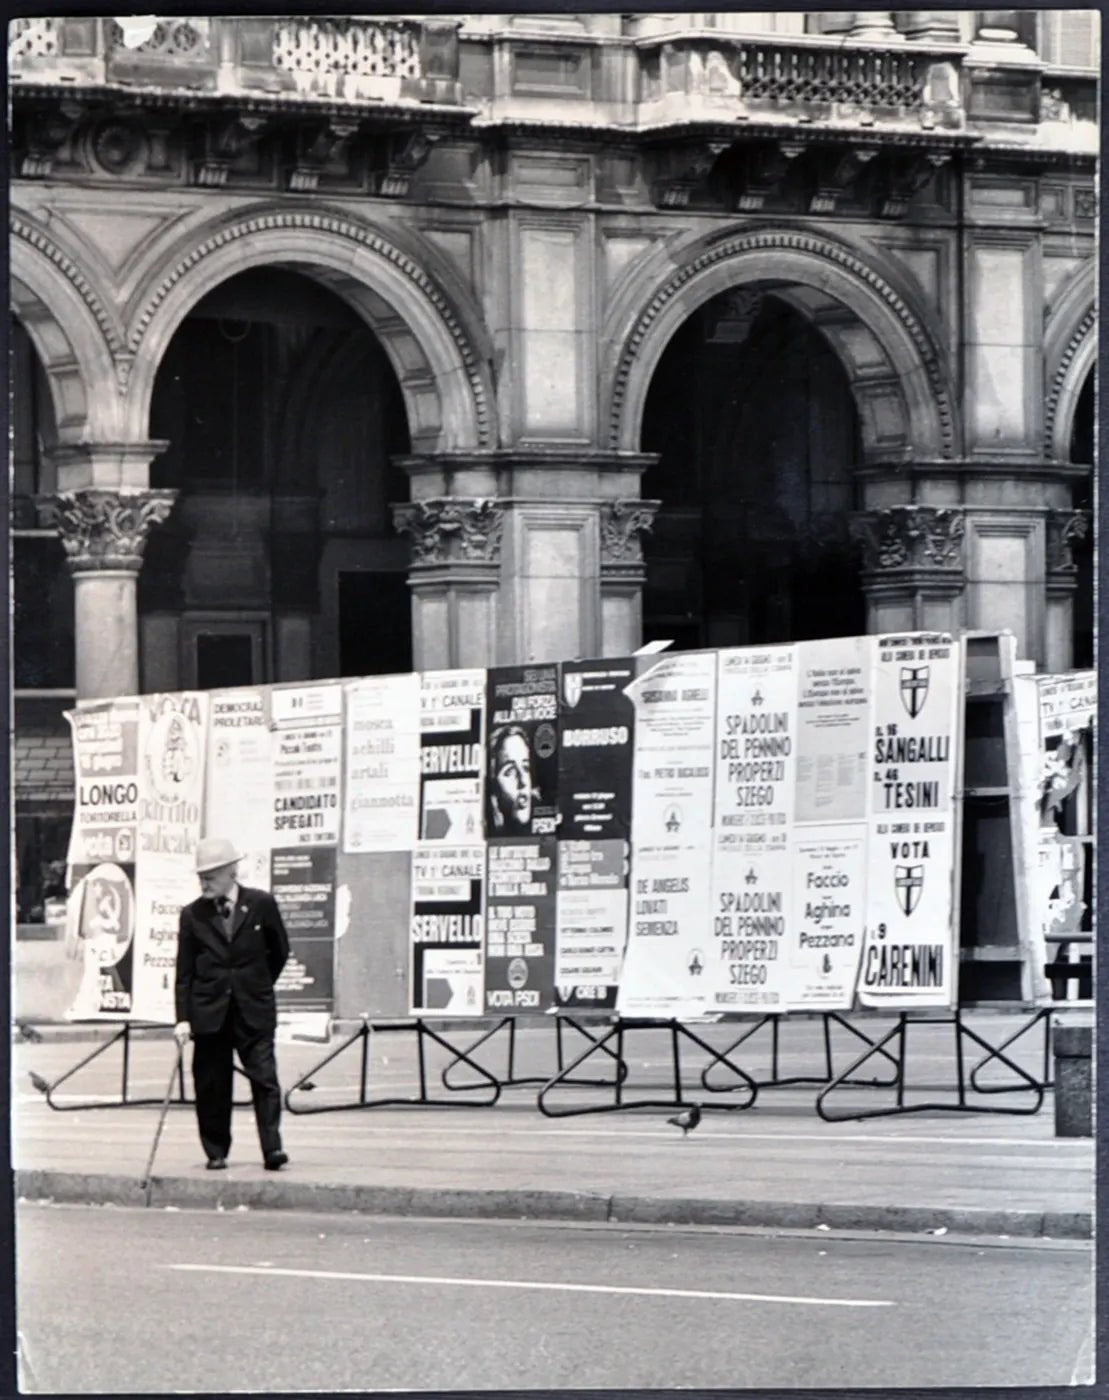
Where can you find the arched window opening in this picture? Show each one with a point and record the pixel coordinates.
(751, 413)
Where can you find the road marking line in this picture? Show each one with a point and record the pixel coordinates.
(532, 1284)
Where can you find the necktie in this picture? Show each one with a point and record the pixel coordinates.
(223, 909)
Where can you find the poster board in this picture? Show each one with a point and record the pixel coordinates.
(686, 835)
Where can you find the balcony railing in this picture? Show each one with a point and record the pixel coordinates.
(307, 57)
(812, 80)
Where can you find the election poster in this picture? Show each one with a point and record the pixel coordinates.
(238, 788)
(172, 741)
(833, 729)
(452, 751)
(521, 891)
(829, 916)
(307, 760)
(755, 749)
(595, 750)
(303, 883)
(672, 804)
(521, 789)
(591, 923)
(1068, 703)
(106, 764)
(910, 957)
(100, 909)
(446, 974)
(100, 932)
(383, 763)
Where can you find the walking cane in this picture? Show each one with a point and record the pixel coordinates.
(148, 1181)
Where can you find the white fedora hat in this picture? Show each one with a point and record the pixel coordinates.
(213, 852)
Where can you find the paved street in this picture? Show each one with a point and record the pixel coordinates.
(779, 1151)
(125, 1300)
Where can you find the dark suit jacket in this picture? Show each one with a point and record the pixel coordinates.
(211, 969)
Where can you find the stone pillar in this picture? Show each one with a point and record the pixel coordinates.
(930, 26)
(622, 573)
(104, 533)
(1064, 529)
(454, 578)
(913, 567)
(526, 554)
(872, 24)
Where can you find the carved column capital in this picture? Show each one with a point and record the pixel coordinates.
(910, 537)
(451, 529)
(1064, 529)
(622, 524)
(106, 530)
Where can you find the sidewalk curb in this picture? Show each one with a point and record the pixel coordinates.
(286, 1193)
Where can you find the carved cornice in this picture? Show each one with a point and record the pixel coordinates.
(1064, 528)
(106, 530)
(910, 537)
(793, 241)
(449, 529)
(622, 524)
(1059, 378)
(332, 222)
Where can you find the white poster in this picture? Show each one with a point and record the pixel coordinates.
(1067, 703)
(911, 952)
(171, 802)
(307, 762)
(672, 792)
(238, 791)
(452, 713)
(447, 971)
(756, 752)
(833, 729)
(751, 923)
(829, 919)
(383, 763)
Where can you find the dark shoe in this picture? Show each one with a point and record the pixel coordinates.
(274, 1161)
(217, 1164)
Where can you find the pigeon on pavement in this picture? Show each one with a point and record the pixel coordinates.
(688, 1120)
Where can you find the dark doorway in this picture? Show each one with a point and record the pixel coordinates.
(375, 624)
(752, 414)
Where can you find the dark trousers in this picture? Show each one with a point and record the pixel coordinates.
(213, 1075)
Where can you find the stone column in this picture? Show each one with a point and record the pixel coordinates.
(913, 567)
(623, 574)
(930, 26)
(872, 24)
(454, 578)
(104, 533)
(1064, 528)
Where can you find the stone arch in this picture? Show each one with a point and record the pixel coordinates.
(898, 373)
(74, 335)
(439, 361)
(1070, 351)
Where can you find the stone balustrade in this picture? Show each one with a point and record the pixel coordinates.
(303, 56)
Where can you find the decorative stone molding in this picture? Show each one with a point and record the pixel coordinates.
(447, 529)
(35, 238)
(910, 537)
(1084, 328)
(622, 524)
(329, 221)
(1064, 528)
(106, 530)
(786, 240)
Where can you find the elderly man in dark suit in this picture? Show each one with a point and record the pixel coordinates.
(231, 947)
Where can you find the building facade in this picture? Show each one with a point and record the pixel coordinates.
(347, 345)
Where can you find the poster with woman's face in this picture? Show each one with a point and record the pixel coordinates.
(521, 752)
